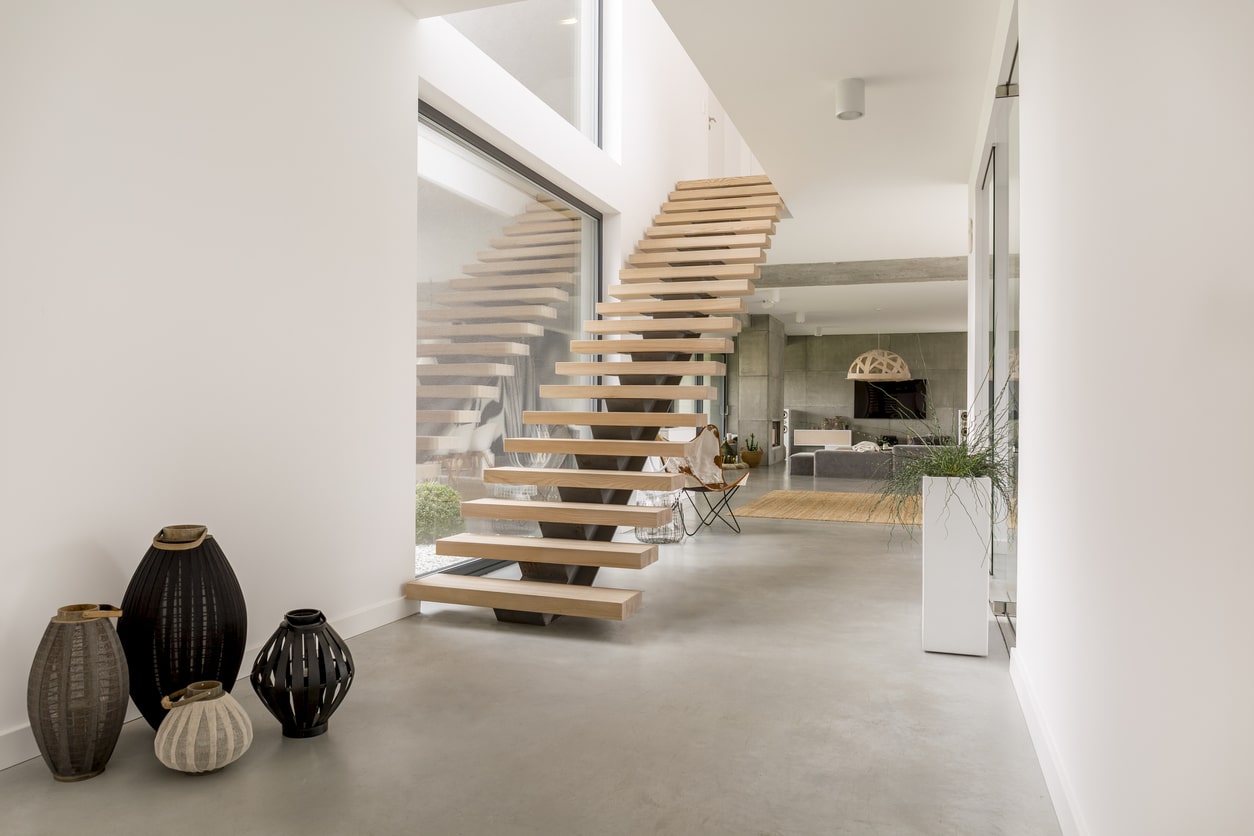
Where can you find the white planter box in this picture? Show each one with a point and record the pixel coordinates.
(957, 544)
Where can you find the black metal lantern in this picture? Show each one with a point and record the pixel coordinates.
(183, 618)
(303, 672)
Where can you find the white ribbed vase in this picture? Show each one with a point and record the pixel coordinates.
(205, 730)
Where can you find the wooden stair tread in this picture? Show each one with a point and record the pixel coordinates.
(447, 416)
(730, 202)
(594, 447)
(579, 513)
(681, 368)
(554, 279)
(488, 312)
(548, 550)
(511, 296)
(747, 214)
(481, 329)
(730, 227)
(698, 271)
(661, 392)
(617, 419)
(727, 190)
(714, 182)
(491, 349)
(456, 391)
(688, 287)
(690, 345)
(538, 239)
(761, 240)
(532, 226)
(627, 480)
(526, 596)
(728, 255)
(730, 305)
(690, 324)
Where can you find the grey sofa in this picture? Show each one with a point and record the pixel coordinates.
(847, 464)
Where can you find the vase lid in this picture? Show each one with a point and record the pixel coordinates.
(304, 618)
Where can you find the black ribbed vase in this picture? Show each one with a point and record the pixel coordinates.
(76, 694)
(303, 672)
(183, 618)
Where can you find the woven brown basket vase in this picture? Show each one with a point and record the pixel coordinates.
(76, 694)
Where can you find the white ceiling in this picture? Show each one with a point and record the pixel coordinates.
(890, 185)
(923, 307)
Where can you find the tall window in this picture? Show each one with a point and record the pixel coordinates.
(507, 275)
(551, 46)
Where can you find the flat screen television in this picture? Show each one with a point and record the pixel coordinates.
(890, 399)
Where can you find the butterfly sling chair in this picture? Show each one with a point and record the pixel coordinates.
(705, 478)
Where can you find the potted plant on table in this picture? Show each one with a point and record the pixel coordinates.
(958, 490)
(752, 454)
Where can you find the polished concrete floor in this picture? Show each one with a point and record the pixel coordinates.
(772, 684)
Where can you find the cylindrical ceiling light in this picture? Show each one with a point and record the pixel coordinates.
(878, 364)
(850, 98)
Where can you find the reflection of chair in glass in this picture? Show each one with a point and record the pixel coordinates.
(704, 468)
(478, 454)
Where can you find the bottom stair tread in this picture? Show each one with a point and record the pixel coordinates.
(526, 596)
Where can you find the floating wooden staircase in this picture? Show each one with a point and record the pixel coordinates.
(687, 281)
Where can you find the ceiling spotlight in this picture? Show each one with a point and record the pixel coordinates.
(568, 21)
(801, 317)
(818, 331)
(850, 98)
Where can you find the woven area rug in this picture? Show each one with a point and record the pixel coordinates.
(821, 505)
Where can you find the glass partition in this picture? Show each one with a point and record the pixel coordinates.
(551, 46)
(507, 272)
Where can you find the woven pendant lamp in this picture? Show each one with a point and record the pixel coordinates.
(878, 364)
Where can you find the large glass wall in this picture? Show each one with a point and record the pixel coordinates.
(551, 46)
(507, 276)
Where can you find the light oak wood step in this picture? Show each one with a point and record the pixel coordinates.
(481, 329)
(732, 305)
(733, 227)
(716, 203)
(691, 324)
(554, 279)
(548, 550)
(511, 296)
(447, 416)
(618, 419)
(705, 242)
(541, 210)
(527, 266)
(730, 255)
(536, 240)
(747, 214)
(526, 596)
(489, 312)
(729, 190)
(661, 393)
(434, 391)
(690, 345)
(596, 479)
(700, 271)
(496, 349)
(682, 368)
(687, 287)
(542, 251)
(594, 447)
(719, 182)
(532, 227)
(579, 513)
(425, 370)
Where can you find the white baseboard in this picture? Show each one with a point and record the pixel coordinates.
(18, 744)
(1061, 793)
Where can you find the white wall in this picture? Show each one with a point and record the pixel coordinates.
(207, 305)
(1135, 564)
